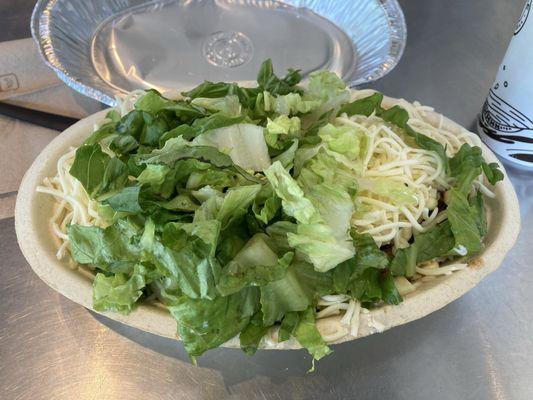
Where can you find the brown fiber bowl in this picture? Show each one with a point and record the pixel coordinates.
(34, 209)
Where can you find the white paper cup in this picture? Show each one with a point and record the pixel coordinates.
(506, 120)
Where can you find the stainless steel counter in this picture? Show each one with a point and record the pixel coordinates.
(479, 347)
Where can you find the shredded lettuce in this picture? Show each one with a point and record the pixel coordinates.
(342, 139)
(244, 143)
(281, 126)
(322, 243)
(206, 324)
(308, 336)
(328, 89)
(397, 193)
(256, 264)
(99, 173)
(118, 292)
(228, 105)
(234, 206)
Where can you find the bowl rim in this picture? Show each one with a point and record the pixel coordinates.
(76, 285)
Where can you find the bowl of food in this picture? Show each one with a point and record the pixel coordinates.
(273, 216)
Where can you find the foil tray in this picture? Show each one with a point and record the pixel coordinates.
(107, 48)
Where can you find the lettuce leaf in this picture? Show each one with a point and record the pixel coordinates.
(153, 102)
(251, 336)
(179, 149)
(323, 245)
(465, 166)
(364, 106)
(286, 158)
(215, 121)
(206, 324)
(434, 243)
(405, 260)
(236, 202)
(397, 193)
(156, 177)
(323, 167)
(106, 130)
(327, 88)
(188, 264)
(104, 247)
(308, 336)
(279, 127)
(492, 172)
(99, 173)
(282, 296)
(366, 276)
(458, 236)
(228, 104)
(118, 292)
(255, 265)
(466, 212)
(464, 223)
(266, 205)
(294, 203)
(244, 143)
(127, 200)
(336, 208)
(211, 90)
(298, 289)
(268, 81)
(288, 325)
(342, 139)
(278, 232)
(289, 104)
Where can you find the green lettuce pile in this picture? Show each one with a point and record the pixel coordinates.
(232, 207)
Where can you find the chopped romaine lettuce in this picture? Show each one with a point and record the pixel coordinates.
(244, 143)
(235, 207)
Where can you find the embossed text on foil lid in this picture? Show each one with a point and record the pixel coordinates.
(228, 49)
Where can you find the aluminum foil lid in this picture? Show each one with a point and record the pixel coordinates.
(106, 48)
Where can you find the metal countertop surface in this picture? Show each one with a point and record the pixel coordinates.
(478, 347)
